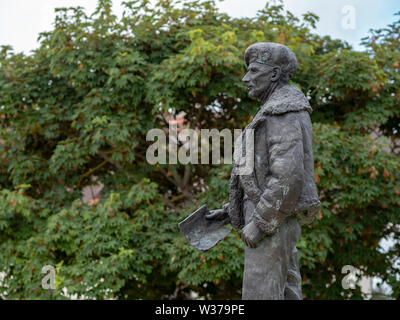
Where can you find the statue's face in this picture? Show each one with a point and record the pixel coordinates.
(259, 78)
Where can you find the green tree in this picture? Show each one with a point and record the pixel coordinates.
(75, 112)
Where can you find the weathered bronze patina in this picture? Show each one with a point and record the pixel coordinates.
(269, 204)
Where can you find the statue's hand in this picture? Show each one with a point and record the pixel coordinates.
(252, 235)
(219, 215)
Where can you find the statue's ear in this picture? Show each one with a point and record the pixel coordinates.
(276, 73)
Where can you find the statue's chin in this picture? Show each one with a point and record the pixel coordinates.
(253, 95)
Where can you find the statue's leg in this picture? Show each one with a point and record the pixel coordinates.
(267, 267)
(293, 282)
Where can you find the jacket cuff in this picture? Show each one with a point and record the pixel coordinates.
(268, 227)
(225, 207)
(268, 218)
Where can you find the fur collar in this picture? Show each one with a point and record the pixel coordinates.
(288, 98)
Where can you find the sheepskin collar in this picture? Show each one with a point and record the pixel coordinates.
(287, 98)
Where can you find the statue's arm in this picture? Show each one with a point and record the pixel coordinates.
(286, 171)
(220, 214)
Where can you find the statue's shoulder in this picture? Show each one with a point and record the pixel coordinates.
(288, 98)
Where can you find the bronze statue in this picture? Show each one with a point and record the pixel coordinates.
(269, 204)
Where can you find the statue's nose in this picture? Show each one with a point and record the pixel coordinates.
(246, 78)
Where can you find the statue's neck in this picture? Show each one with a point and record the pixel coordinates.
(267, 94)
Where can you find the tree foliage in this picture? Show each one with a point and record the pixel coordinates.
(75, 113)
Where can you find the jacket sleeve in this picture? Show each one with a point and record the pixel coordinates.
(286, 171)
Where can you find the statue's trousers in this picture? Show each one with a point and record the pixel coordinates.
(271, 270)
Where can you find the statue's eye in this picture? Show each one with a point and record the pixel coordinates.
(253, 70)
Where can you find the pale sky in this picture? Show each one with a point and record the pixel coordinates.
(21, 21)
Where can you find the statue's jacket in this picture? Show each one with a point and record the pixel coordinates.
(281, 182)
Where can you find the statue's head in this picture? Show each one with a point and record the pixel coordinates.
(268, 65)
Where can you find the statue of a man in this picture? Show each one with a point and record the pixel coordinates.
(271, 203)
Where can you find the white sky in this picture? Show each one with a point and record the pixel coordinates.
(22, 20)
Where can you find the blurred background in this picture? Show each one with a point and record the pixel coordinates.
(21, 21)
(82, 85)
